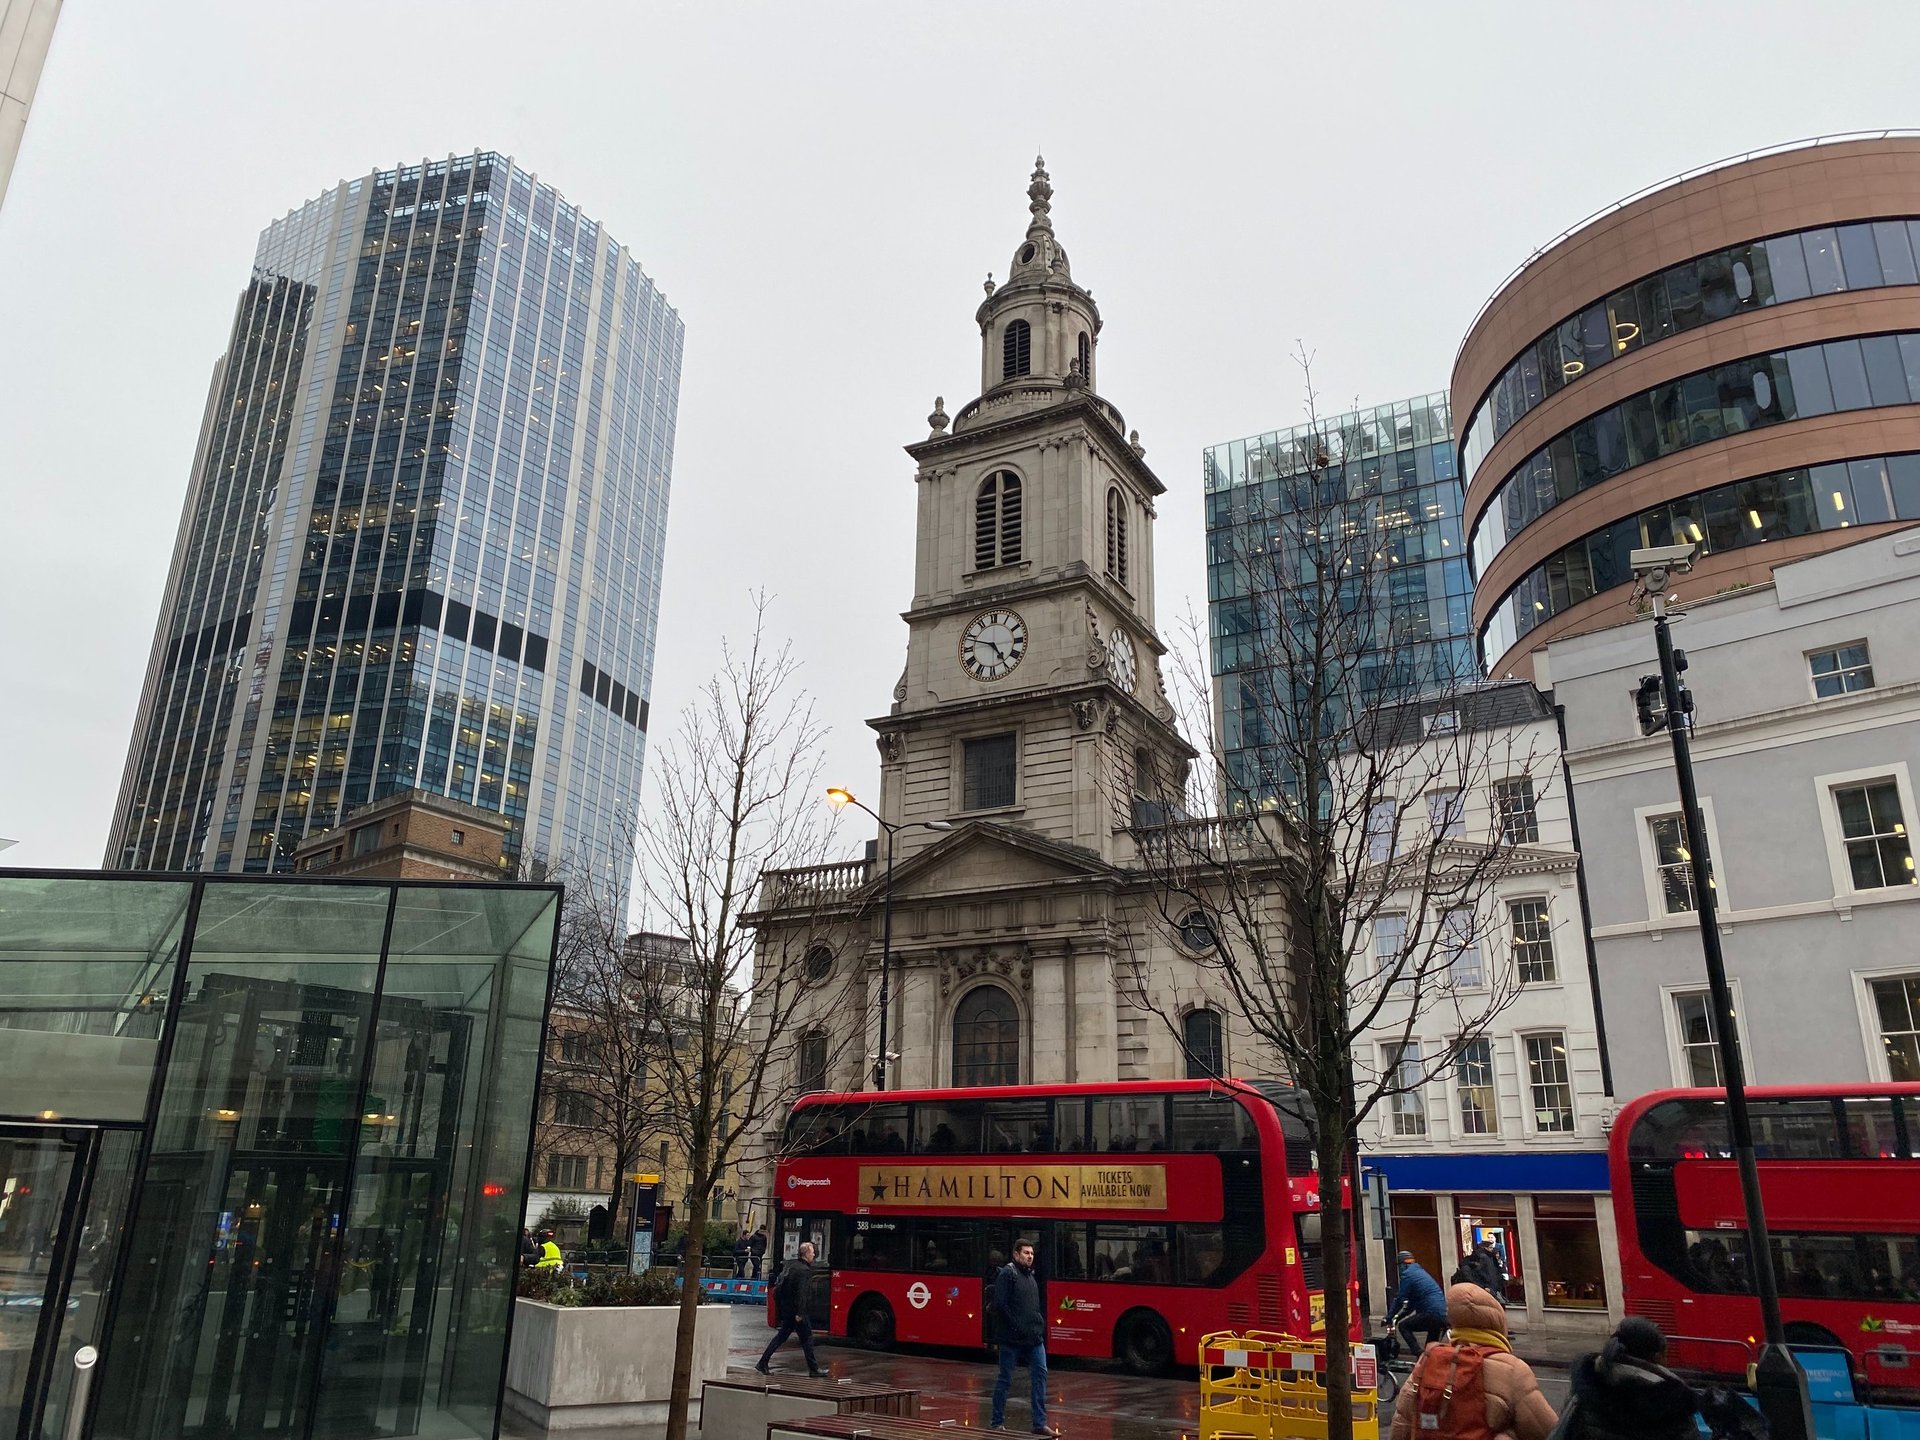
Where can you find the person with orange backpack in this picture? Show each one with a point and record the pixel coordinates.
(1471, 1386)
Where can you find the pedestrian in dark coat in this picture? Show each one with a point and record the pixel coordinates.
(790, 1308)
(1625, 1393)
(1020, 1325)
(757, 1250)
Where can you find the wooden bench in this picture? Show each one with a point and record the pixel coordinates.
(745, 1403)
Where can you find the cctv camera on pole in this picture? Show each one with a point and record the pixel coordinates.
(1779, 1382)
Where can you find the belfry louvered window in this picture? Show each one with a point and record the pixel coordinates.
(1086, 357)
(996, 521)
(1016, 350)
(1117, 535)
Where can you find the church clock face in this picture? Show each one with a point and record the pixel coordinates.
(993, 643)
(1121, 661)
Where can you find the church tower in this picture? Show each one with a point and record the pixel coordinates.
(1032, 695)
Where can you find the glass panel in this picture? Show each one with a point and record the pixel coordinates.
(1789, 267)
(877, 1245)
(433, 1224)
(1123, 1123)
(1137, 1253)
(1869, 479)
(1886, 374)
(218, 1331)
(1896, 255)
(85, 971)
(1823, 261)
(34, 1174)
(880, 1130)
(1848, 371)
(1017, 1126)
(101, 1233)
(1796, 1130)
(1860, 260)
(1903, 478)
(945, 1245)
(1206, 1122)
(1571, 1276)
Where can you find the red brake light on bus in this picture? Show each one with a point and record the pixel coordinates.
(492, 1190)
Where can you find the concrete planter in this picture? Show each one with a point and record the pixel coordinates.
(574, 1367)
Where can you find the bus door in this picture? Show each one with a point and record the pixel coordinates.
(818, 1229)
(996, 1250)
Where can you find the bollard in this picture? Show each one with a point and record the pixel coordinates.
(84, 1360)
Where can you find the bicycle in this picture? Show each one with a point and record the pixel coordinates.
(1395, 1368)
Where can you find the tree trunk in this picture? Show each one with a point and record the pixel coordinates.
(1336, 1261)
(692, 1262)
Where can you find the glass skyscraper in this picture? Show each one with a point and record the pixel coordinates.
(1391, 468)
(423, 537)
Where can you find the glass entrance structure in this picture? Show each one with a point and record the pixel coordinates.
(264, 1143)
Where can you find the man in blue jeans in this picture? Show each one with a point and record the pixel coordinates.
(1020, 1325)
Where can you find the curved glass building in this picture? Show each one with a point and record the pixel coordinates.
(423, 538)
(1730, 360)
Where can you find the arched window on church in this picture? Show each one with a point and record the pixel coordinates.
(986, 1038)
(1117, 535)
(1086, 358)
(996, 521)
(1201, 1036)
(1016, 350)
(811, 1062)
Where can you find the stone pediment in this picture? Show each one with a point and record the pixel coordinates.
(987, 857)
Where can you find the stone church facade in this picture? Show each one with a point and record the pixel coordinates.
(1026, 736)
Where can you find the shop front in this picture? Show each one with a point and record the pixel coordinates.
(263, 1144)
(1548, 1218)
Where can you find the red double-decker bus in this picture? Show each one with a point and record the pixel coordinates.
(1159, 1211)
(1840, 1180)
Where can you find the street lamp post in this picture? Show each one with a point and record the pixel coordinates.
(1779, 1383)
(840, 799)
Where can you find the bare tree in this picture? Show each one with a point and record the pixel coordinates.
(738, 794)
(604, 1041)
(1345, 746)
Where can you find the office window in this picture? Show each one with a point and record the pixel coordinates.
(987, 772)
(1699, 1050)
(1513, 803)
(1382, 817)
(1407, 1107)
(566, 1172)
(1551, 1082)
(1389, 939)
(1460, 949)
(1531, 927)
(459, 837)
(1673, 863)
(1896, 1005)
(1473, 1074)
(1446, 814)
(1875, 834)
(570, 1107)
(1841, 670)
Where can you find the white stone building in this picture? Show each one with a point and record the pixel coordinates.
(1027, 945)
(1508, 1142)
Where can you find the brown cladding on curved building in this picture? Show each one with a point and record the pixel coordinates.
(1732, 360)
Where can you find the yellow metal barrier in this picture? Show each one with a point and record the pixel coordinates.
(1259, 1385)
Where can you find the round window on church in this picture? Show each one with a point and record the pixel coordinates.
(1196, 931)
(819, 963)
(1026, 256)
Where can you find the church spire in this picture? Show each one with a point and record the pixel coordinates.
(1040, 200)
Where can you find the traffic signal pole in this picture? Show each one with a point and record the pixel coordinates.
(1779, 1382)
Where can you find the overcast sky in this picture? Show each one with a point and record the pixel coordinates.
(819, 190)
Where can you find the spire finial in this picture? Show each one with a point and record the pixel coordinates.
(1039, 198)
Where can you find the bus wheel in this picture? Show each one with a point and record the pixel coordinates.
(871, 1323)
(1143, 1343)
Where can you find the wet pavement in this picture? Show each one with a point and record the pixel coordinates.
(1086, 1399)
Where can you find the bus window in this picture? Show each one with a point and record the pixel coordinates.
(1200, 1255)
(1812, 1266)
(1682, 1130)
(877, 1245)
(1014, 1126)
(1069, 1252)
(1210, 1122)
(1136, 1253)
(1795, 1130)
(880, 1130)
(941, 1245)
(816, 1130)
(1893, 1266)
(946, 1129)
(1871, 1133)
(1070, 1124)
(1718, 1261)
(1122, 1123)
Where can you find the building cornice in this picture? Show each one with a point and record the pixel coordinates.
(1080, 404)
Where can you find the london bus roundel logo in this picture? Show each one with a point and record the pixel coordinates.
(918, 1295)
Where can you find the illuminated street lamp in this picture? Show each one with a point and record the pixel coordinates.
(840, 798)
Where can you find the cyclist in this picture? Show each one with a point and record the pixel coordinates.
(1422, 1304)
